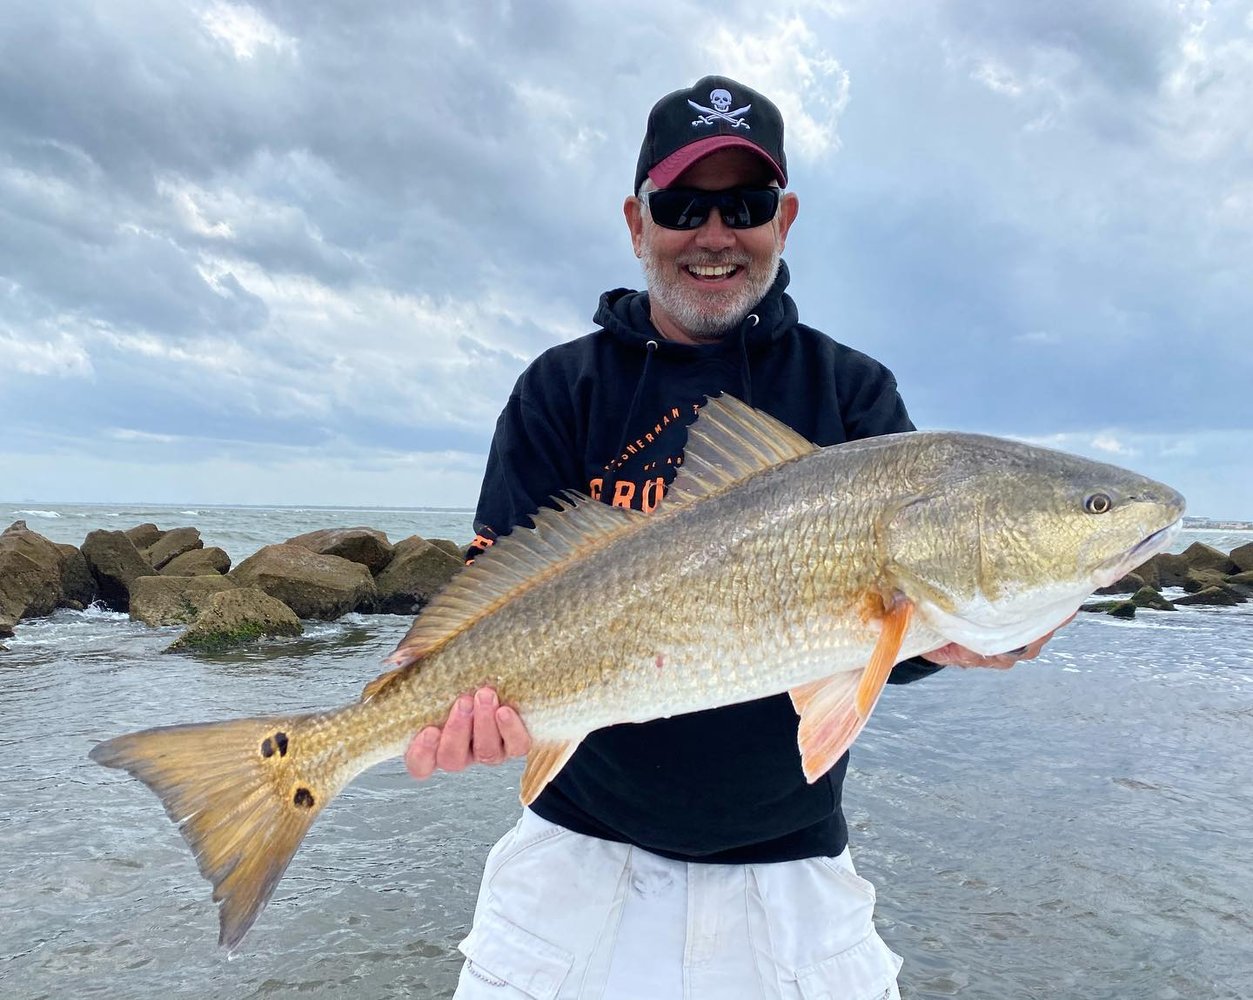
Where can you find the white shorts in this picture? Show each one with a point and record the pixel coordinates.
(561, 916)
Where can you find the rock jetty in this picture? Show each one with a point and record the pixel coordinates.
(170, 577)
(1208, 576)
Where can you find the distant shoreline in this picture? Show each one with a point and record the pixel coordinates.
(1214, 524)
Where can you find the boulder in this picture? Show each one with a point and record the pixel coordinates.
(234, 617)
(1147, 597)
(1242, 583)
(174, 600)
(30, 574)
(115, 565)
(1242, 556)
(417, 572)
(1117, 609)
(1199, 556)
(1163, 570)
(210, 561)
(1129, 584)
(1215, 596)
(78, 586)
(144, 536)
(173, 543)
(458, 552)
(1202, 579)
(366, 546)
(312, 585)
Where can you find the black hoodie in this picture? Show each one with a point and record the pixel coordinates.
(607, 415)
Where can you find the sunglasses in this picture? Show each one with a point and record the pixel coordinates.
(688, 208)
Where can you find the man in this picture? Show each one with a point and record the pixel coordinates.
(685, 857)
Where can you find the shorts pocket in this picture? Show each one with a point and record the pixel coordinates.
(504, 960)
(841, 869)
(866, 971)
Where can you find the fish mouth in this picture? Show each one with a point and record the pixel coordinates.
(1120, 565)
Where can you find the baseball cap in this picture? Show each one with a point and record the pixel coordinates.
(716, 113)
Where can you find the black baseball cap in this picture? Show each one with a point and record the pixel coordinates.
(716, 113)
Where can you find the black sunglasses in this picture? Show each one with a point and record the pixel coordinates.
(688, 208)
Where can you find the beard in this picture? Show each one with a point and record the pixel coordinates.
(707, 315)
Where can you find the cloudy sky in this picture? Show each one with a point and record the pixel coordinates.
(298, 251)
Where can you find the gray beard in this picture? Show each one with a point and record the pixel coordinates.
(688, 309)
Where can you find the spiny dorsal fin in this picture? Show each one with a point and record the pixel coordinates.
(729, 442)
(511, 566)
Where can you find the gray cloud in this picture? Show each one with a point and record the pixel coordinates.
(307, 228)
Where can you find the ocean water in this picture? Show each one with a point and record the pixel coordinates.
(240, 531)
(1075, 827)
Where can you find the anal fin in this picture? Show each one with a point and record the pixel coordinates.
(542, 764)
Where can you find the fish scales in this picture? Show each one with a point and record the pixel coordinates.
(771, 566)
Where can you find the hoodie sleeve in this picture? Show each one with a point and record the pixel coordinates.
(532, 457)
(876, 408)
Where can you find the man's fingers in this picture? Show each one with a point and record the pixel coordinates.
(420, 754)
(513, 731)
(478, 729)
(454, 743)
(488, 746)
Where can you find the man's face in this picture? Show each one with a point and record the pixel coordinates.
(703, 282)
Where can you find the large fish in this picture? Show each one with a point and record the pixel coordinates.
(772, 565)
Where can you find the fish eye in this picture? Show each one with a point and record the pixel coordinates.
(1097, 503)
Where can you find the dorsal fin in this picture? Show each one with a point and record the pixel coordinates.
(513, 565)
(729, 442)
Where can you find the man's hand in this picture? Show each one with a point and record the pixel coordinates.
(478, 729)
(954, 655)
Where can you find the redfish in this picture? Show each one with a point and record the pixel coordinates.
(772, 565)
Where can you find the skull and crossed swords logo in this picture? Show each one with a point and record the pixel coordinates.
(721, 110)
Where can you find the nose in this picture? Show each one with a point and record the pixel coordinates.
(715, 234)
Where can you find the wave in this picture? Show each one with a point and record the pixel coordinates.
(190, 513)
(39, 513)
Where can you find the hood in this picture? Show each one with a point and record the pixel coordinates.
(624, 313)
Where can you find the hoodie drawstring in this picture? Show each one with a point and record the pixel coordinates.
(611, 482)
(745, 375)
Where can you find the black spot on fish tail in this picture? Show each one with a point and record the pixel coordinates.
(274, 744)
(303, 798)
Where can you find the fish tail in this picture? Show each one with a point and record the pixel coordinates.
(238, 794)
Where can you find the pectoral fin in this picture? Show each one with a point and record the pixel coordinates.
(834, 710)
(542, 765)
(896, 620)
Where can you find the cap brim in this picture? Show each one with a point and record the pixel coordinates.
(668, 170)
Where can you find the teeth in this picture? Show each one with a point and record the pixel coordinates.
(711, 270)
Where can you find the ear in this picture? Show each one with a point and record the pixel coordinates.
(634, 213)
(789, 205)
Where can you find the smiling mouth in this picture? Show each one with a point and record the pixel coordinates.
(711, 272)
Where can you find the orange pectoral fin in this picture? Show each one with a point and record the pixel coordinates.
(896, 620)
(834, 710)
(542, 765)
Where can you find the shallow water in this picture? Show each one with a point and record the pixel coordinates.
(1075, 827)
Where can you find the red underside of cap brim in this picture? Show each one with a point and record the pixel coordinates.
(668, 170)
